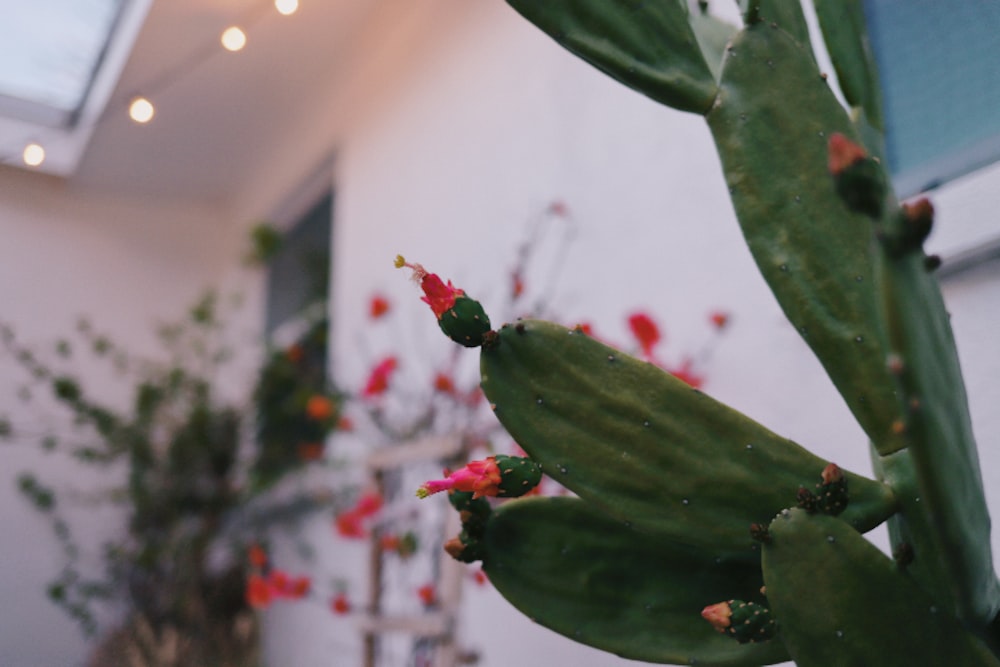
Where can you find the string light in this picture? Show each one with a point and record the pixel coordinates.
(33, 155)
(234, 39)
(141, 110)
(286, 7)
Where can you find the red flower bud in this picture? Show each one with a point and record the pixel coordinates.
(319, 408)
(340, 604)
(378, 306)
(842, 153)
(718, 615)
(645, 331)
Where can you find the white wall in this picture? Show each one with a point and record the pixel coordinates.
(494, 121)
(126, 265)
(482, 124)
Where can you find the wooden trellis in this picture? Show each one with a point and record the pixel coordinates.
(436, 625)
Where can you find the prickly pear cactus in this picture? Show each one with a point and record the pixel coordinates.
(698, 536)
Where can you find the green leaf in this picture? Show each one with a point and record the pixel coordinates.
(840, 602)
(574, 570)
(648, 46)
(645, 447)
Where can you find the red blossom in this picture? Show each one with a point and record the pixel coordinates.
(295, 353)
(257, 556)
(390, 542)
(340, 604)
(319, 408)
(516, 284)
(686, 373)
(262, 590)
(427, 594)
(368, 504)
(719, 319)
(438, 295)
(646, 333)
(482, 478)
(378, 306)
(480, 578)
(258, 593)
(310, 451)
(444, 384)
(351, 523)
(378, 379)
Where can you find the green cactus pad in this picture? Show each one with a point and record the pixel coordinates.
(465, 322)
(941, 487)
(575, 570)
(840, 602)
(648, 46)
(644, 446)
(778, 14)
(846, 38)
(771, 125)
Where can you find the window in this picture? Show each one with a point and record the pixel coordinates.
(59, 61)
(299, 271)
(940, 85)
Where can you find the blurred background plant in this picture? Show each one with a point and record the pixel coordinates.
(210, 481)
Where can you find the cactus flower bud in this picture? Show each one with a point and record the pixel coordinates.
(843, 153)
(455, 548)
(747, 622)
(832, 473)
(462, 319)
(500, 475)
(718, 615)
(831, 495)
(857, 177)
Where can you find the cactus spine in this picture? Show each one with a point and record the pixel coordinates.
(682, 500)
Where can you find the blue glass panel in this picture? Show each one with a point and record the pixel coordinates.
(940, 76)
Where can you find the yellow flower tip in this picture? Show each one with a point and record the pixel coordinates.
(423, 492)
(399, 262)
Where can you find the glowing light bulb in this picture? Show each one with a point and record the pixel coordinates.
(234, 39)
(33, 155)
(286, 7)
(141, 110)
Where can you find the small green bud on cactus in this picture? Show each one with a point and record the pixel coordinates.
(832, 494)
(465, 502)
(464, 548)
(807, 500)
(760, 533)
(747, 622)
(501, 475)
(857, 177)
(462, 319)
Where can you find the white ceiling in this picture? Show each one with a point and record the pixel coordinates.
(226, 122)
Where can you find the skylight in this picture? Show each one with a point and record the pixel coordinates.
(50, 50)
(59, 61)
